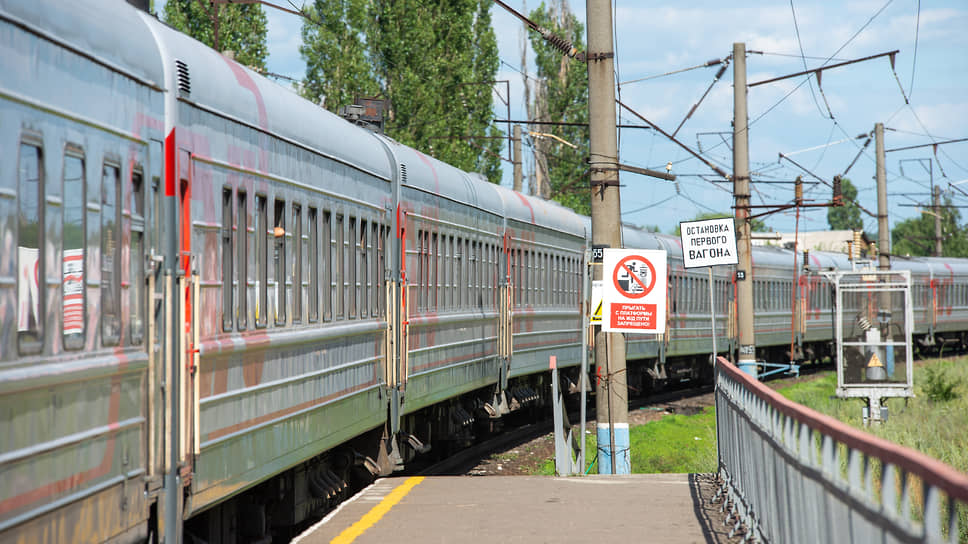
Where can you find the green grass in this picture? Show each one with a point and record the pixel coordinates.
(934, 427)
(935, 422)
(674, 444)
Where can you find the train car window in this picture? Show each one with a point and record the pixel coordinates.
(364, 283)
(227, 286)
(30, 267)
(531, 271)
(443, 272)
(421, 269)
(297, 263)
(552, 279)
(559, 282)
(327, 252)
(571, 294)
(453, 271)
(484, 278)
(262, 260)
(379, 233)
(434, 270)
(559, 286)
(157, 236)
(460, 272)
(73, 257)
(339, 266)
(353, 264)
(543, 274)
(313, 258)
(279, 258)
(110, 255)
(472, 258)
(528, 272)
(241, 251)
(136, 254)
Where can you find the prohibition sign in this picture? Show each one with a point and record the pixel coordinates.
(635, 277)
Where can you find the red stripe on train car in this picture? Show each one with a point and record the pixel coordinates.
(170, 164)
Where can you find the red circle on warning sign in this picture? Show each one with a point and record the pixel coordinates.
(633, 277)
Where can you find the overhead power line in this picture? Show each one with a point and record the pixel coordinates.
(562, 123)
(816, 71)
(706, 64)
(705, 161)
(933, 144)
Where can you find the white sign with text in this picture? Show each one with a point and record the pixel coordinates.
(708, 243)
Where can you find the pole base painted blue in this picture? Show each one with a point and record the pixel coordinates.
(748, 367)
(623, 458)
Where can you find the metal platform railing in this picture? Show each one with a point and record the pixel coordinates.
(791, 474)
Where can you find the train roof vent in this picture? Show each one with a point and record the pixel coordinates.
(403, 174)
(184, 79)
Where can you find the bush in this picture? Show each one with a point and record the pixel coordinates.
(938, 386)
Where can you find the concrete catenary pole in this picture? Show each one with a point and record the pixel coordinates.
(883, 233)
(741, 191)
(884, 250)
(517, 158)
(937, 221)
(612, 398)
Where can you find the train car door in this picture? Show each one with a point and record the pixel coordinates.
(397, 339)
(187, 321)
(154, 239)
(505, 328)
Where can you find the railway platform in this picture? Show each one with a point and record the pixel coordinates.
(661, 508)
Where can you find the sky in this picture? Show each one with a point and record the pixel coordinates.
(789, 117)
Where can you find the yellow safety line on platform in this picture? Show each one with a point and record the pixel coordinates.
(352, 532)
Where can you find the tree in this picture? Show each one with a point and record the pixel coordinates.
(338, 68)
(240, 28)
(846, 217)
(561, 96)
(434, 61)
(756, 225)
(916, 236)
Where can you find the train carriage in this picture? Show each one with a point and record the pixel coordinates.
(282, 235)
(544, 247)
(450, 233)
(81, 124)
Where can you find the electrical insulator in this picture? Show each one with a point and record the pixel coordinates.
(806, 259)
(558, 42)
(858, 243)
(838, 199)
(798, 188)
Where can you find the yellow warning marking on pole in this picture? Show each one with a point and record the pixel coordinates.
(370, 518)
(597, 314)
